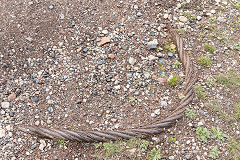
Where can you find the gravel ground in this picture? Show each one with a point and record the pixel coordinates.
(84, 65)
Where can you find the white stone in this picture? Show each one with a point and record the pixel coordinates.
(213, 11)
(179, 5)
(165, 16)
(152, 58)
(183, 19)
(157, 111)
(105, 32)
(200, 123)
(153, 115)
(221, 19)
(117, 87)
(37, 123)
(199, 18)
(42, 144)
(49, 121)
(5, 105)
(8, 127)
(163, 103)
(132, 61)
(2, 133)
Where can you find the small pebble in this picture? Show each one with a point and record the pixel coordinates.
(35, 99)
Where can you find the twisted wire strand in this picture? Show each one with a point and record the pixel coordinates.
(155, 127)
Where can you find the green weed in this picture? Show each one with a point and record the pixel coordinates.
(111, 148)
(217, 134)
(237, 46)
(231, 80)
(237, 111)
(173, 80)
(181, 96)
(190, 113)
(62, 142)
(234, 148)
(144, 144)
(202, 134)
(210, 82)
(212, 19)
(209, 48)
(171, 140)
(214, 152)
(132, 143)
(198, 89)
(176, 64)
(131, 99)
(205, 61)
(154, 154)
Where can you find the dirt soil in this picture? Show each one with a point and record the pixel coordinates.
(54, 73)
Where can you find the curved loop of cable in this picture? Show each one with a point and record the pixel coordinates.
(156, 127)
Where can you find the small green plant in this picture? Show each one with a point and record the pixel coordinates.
(62, 142)
(190, 113)
(171, 140)
(209, 48)
(214, 152)
(217, 134)
(98, 145)
(212, 19)
(111, 148)
(132, 99)
(181, 96)
(180, 31)
(205, 61)
(231, 80)
(202, 134)
(237, 5)
(144, 144)
(173, 80)
(237, 111)
(211, 82)
(169, 47)
(237, 47)
(154, 154)
(176, 64)
(198, 89)
(132, 143)
(234, 148)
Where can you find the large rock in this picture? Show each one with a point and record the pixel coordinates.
(5, 105)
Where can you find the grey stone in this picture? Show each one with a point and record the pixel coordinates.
(51, 6)
(170, 54)
(35, 99)
(229, 104)
(152, 44)
(79, 101)
(85, 50)
(201, 112)
(139, 14)
(50, 109)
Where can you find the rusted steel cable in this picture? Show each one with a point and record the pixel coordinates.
(155, 127)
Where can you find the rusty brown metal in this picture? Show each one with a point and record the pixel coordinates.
(155, 127)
